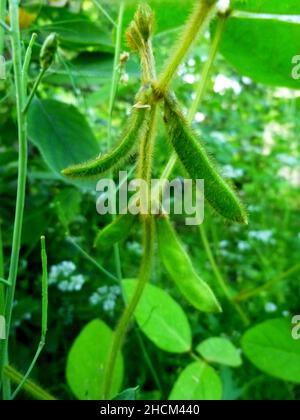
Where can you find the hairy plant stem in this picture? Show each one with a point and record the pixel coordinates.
(126, 317)
(204, 11)
(21, 189)
(144, 170)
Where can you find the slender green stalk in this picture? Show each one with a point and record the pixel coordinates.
(221, 284)
(203, 12)
(106, 14)
(119, 335)
(91, 260)
(22, 173)
(29, 386)
(243, 296)
(149, 362)
(44, 317)
(4, 282)
(33, 91)
(27, 60)
(2, 28)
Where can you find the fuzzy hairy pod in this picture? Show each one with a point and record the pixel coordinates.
(193, 156)
(48, 51)
(135, 131)
(180, 268)
(144, 19)
(115, 232)
(134, 37)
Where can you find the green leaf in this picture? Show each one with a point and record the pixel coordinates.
(198, 381)
(161, 319)
(219, 350)
(86, 361)
(88, 70)
(76, 31)
(271, 348)
(61, 133)
(263, 48)
(115, 232)
(128, 394)
(169, 14)
(267, 6)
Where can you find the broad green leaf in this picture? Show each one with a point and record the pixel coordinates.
(169, 14)
(267, 6)
(86, 361)
(219, 350)
(161, 319)
(198, 381)
(271, 348)
(88, 70)
(128, 394)
(262, 48)
(61, 133)
(76, 31)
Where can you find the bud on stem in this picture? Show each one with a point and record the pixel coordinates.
(48, 51)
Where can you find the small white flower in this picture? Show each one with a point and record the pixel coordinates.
(223, 83)
(231, 172)
(189, 78)
(265, 236)
(199, 117)
(223, 6)
(270, 307)
(243, 246)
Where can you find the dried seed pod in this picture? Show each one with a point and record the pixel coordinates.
(193, 156)
(115, 232)
(48, 51)
(180, 268)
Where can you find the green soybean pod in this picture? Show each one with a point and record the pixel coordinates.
(136, 129)
(193, 156)
(180, 268)
(115, 232)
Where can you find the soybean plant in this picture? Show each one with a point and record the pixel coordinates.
(153, 97)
